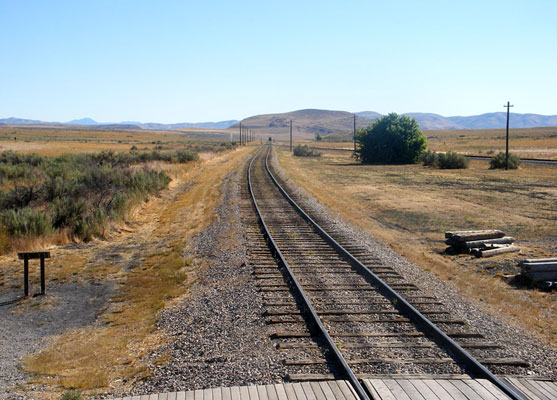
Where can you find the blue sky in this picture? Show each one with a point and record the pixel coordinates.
(174, 61)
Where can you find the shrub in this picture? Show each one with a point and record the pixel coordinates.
(452, 160)
(499, 161)
(184, 156)
(305, 151)
(393, 139)
(71, 394)
(25, 222)
(429, 158)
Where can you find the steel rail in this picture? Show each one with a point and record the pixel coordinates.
(466, 358)
(362, 394)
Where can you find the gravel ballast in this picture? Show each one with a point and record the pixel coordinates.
(218, 336)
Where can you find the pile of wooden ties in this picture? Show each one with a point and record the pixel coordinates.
(485, 243)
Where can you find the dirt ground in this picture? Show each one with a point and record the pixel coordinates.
(96, 322)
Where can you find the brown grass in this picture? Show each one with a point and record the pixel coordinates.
(49, 141)
(109, 353)
(409, 207)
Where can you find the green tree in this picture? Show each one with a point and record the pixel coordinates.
(392, 139)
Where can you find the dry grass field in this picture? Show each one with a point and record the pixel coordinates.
(48, 141)
(411, 206)
(538, 143)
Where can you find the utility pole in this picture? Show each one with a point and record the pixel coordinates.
(508, 106)
(354, 133)
(291, 136)
(240, 133)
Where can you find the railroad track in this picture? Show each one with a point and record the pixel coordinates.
(336, 309)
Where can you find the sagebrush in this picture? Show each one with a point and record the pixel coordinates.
(77, 193)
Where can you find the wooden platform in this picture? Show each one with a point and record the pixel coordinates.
(340, 390)
(456, 389)
(380, 389)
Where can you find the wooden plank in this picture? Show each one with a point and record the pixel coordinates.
(478, 388)
(451, 389)
(410, 389)
(335, 388)
(262, 392)
(540, 388)
(424, 390)
(465, 389)
(235, 393)
(271, 392)
(537, 260)
(396, 389)
(300, 395)
(319, 395)
(172, 396)
(289, 390)
(516, 383)
(252, 390)
(371, 390)
(551, 387)
(347, 390)
(244, 393)
(136, 397)
(281, 393)
(226, 394)
(326, 389)
(382, 389)
(494, 390)
(163, 396)
(190, 395)
(217, 394)
(207, 394)
(145, 397)
(495, 252)
(153, 397)
(308, 390)
(540, 394)
(439, 390)
(198, 394)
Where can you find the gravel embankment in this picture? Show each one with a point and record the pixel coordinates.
(519, 343)
(218, 336)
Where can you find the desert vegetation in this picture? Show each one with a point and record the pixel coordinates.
(305, 151)
(76, 195)
(448, 160)
(393, 139)
(500, 161)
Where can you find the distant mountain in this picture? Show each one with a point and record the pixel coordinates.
(83, 121)
(185, 125)
(483, 121)
(13, 120)
(125, 124)
(369, 114)
(305, 123)
(499, 120)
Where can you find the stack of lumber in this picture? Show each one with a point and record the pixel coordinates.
(541, 271)
(486, 243)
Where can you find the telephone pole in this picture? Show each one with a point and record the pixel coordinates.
(240, 133)
(291, 136)
(354, 133)
(508, 106)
